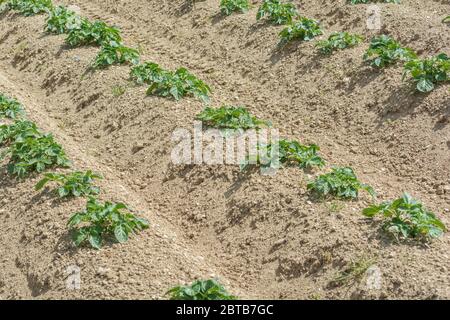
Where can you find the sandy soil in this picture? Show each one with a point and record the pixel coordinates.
(262, 236)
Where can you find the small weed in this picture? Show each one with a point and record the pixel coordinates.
(354, 272)
(118, 91)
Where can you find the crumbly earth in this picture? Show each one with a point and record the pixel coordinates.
(262, 236)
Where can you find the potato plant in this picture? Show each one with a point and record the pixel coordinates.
(200, 290)
(35, 154)
(229, 6)
(340, 183)
(384, 50)
(98, 33)
(61, 20)
(104, 220)
(115, 54)
(277, 12)
(285, 152)
(30, 7)
(10, 108)
(18, 131)
(407, 218)
(230, 117)
(179, 84)
(74, 184)
(426, 73)
(304, 29)
(147, 73)
(339, 41)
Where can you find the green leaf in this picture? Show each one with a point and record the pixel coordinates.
(121, 233)
(425, 85)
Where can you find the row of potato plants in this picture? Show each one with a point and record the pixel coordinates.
(425, 73)
(403, 217)
(30, 151)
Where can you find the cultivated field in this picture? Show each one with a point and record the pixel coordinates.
(92, 92)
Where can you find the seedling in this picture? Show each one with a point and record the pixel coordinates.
(115, 54)
(179, 84)
(10, 108)
(74, 184)
(35, 154)
(99, 221)
(94, 33)
(61, 20)
(277, 12)
(148, 73)
(229, 117)
(406, 218)
(372, 1)
(354, 272)
(428, 72)
(285, 152)
(384, 50)
(304, 29)
(229, 6)
(339, 41)
(200, 290)
(18, 131)
(340, 183)
(446, 19)
(30, 7)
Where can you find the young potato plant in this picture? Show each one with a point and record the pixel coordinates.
(286, 152)
(384, 50)
(200, 290)
(304, 29)
(108, 220)
(98, 33)
(277, 12)
(30, 7)
(115, 54)
(179, 84)
(339, 41)
(74, 184)
(428, 72)
(340, 183)
(148, 73)
(18, 131)
(407, 218)
(34, 154)
(229, 6)
(230, 117)
(10, 108)
(61, 20)
(372, 1)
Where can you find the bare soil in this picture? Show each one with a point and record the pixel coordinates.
(261, 236)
